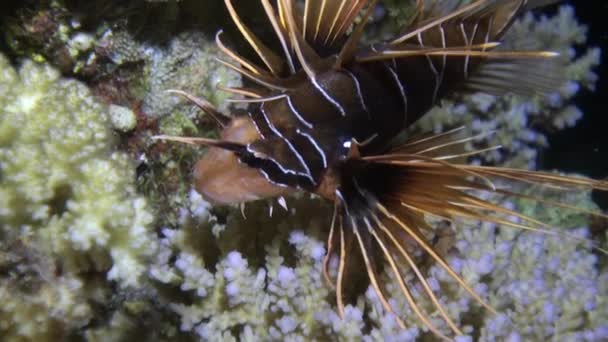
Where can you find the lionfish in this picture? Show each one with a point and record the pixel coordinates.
(326, 116)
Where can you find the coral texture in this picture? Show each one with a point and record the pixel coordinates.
(542, 286)
(186, 62)
(68, 205)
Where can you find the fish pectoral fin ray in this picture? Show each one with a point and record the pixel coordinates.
(379, 238)
(523, 76)
(493, 15)
(223, 144)
(221, 118)
(273, 62)
(325, 22)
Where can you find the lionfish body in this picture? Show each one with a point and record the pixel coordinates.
(327, 118)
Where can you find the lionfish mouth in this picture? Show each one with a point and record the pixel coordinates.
(323, 93)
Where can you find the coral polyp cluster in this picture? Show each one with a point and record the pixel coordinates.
(72, 223)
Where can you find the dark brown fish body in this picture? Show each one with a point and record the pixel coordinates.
(325, 118)
(311, 129)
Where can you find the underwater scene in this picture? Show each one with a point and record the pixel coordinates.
(303, 170)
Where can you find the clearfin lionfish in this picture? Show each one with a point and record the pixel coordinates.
(327, 114)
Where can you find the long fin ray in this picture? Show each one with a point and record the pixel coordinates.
(223, 144)
(372, 273)
(305, 54)
(221, 118)
(269, 82)
(341, 269)
(436, 22)
(436, 257)
(272, 61)
(348, 51)
(241, 60)
(404, 289)
(420, 277)
(280, 32)
(456, 51)
(326, 21)
(330, 245)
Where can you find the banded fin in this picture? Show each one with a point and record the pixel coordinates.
(325, 22)
(515, 75)
(471, 26)
(359, 216)
(459, 51)
(272, 61)
(384, 199)
(499, 14)
(432, 185)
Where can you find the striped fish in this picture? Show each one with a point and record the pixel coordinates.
(327, 114)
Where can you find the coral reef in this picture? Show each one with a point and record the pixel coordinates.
(69, 206)
(122, 65)
(89, 250)
(185, 62)
(543, 286)
(123, 119)
(188, 64)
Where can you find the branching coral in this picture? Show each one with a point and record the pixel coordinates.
(279, 300)
(187, 64)
(69, 207)
(543, 286)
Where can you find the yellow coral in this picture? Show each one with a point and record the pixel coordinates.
(70, 216)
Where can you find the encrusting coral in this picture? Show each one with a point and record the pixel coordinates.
(83, 255)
